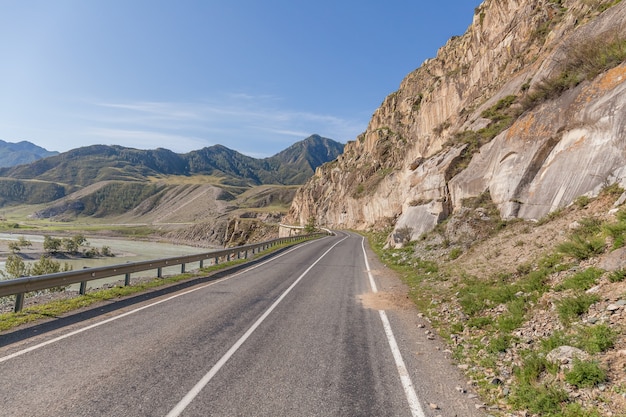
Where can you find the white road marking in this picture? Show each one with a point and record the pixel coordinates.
(405, 378)
(128, 313)
(189, 397)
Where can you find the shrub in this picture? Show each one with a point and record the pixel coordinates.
(585, 374)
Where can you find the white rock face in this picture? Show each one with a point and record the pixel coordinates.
(410, 169)
(568, 147)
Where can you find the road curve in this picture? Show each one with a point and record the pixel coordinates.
(289, 336)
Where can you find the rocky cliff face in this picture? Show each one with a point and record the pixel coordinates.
(514, 107)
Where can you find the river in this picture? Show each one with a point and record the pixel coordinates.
(125, 251)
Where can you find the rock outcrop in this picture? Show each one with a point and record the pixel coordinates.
(511, 107)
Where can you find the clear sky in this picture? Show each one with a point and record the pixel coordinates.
(253, 75)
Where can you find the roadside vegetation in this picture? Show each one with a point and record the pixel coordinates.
(74, 302)
(72, 246)
(505, 319)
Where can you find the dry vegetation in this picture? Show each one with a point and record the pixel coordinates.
(507, 296)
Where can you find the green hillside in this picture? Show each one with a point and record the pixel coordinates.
(112, 180)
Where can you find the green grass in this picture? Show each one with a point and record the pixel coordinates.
(585, 374)
(596, 339)
(617, 276)
(580, 248)
(539, 398)
(571, 308)
(581, 280)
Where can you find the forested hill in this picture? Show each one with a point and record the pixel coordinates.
(91, 164)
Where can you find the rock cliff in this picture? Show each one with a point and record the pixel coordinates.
(529, 105)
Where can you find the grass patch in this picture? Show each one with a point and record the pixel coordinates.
(617, 276)
(581, 248)
(571, 308)
(596, 339)
(585, 374)
(542, 399)
(581, 280)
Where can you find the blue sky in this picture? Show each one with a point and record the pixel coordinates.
(255, 76)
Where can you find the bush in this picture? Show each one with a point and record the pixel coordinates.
(585, 374)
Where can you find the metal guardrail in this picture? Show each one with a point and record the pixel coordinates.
(21, 286)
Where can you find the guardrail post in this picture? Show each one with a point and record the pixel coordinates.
(127, 279)
(19, 302)
(201, 263)
(159, 272)
(217, 260)
(83, 288)
(182, 268)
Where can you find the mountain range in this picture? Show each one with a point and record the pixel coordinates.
(23, 152)
(102, 181)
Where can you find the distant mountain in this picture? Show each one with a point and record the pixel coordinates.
(12, 154)
(48, 179)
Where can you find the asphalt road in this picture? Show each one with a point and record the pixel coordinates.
(289, 336)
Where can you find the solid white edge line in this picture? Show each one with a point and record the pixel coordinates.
(128, 313)
(191, 395)
(405, 378)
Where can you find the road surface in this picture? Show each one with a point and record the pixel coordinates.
(306, 332)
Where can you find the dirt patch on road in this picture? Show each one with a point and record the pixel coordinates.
(386, 301)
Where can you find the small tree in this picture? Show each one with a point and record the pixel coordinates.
(46, 265)
(24, 243)
(69, 245)
(14, 247)
(72, 244)
(310, 226)
(15, 267)
(51, 244)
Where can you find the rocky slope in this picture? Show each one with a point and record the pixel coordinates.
(517, 106)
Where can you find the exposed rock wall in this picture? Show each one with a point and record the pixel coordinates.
(410, 169)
